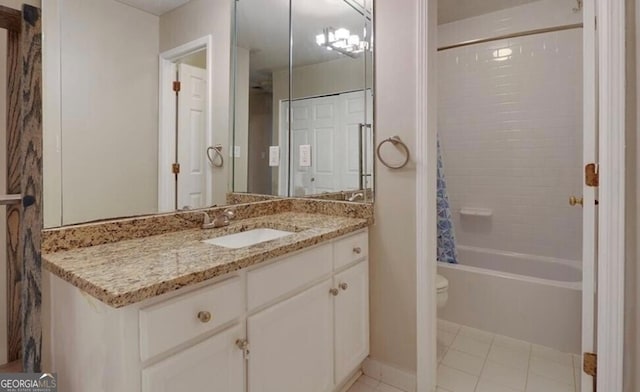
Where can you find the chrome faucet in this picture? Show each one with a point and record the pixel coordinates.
(220, 220)
(355, 196)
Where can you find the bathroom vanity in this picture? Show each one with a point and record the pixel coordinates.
(290, 314)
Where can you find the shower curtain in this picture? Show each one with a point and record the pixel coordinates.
(447, 251)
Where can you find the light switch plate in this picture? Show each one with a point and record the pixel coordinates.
(305, 155)
(236, 151)
(274, 156)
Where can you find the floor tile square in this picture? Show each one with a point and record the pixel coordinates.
(551, 355)
(387, 388)
(490, 386)
(441, 351)
(517, 358)
(448, 326)
(463, 361)
(504, 375)
(455, 380)
(552, 370)
(471, 346)
(446, 338)
(537, 383)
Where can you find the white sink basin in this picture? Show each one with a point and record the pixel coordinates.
(247, 238)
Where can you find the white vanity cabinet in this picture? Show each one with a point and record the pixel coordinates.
(213, 365)
(297, 323)
(351, 318)
(291, 344)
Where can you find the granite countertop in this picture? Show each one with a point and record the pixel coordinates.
(130, 271)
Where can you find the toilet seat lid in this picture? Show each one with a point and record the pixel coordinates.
(441, 283)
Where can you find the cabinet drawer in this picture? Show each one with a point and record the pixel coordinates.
(168, 324)
(284, 276)
(351, 249)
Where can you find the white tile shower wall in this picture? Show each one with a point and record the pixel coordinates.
(510, 123)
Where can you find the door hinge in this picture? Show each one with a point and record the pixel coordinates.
(177, 86)
(592, 175)
(243, 344)
(175, 168)
(590, 364)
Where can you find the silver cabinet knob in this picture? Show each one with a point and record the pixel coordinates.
(357, 250)
(343, 286)
(242, 344)
(334, 292)
(204, 316)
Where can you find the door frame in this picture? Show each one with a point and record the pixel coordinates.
(611, 228)
(167, 115)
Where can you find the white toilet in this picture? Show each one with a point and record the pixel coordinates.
(442, 287)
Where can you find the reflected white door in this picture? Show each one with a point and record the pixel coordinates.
(356, 144)
(335, 127)
(192, 186)
(301, 134)
(324, 149)
(590, 194)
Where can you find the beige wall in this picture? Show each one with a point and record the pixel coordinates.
(632, 270)
(241, 123)
(393, 256)
(260, 123)
(194, 20)
(109, 123)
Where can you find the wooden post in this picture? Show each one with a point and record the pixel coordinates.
(31, 173)
(10, 19)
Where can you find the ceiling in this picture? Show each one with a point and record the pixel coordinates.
(156, 7)
(452, 10)
(263, 29)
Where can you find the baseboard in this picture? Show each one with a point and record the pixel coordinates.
(352, 380)
(390, 375)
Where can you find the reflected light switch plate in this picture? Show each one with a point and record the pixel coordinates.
(305, 155)
(274, 156)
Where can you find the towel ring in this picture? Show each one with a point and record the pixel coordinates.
(395, 140)
(218, 154)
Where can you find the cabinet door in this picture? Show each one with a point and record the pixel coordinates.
(291, 344)
(216, 364)
(351, 319)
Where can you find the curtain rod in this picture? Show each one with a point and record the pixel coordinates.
(513, 35)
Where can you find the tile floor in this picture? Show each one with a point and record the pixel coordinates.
(368, 384)
(471, 360)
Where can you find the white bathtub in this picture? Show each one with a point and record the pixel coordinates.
(532, 298)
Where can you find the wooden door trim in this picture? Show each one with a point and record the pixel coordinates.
(10, 19)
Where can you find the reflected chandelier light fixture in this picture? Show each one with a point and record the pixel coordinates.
(342, 41)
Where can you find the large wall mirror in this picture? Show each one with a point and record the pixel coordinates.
(157, 106)
(303, 110)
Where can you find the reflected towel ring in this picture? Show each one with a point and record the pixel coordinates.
(218, 150)
(395, 140)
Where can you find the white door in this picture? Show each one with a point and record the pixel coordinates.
(351, 319)
(314, 122)
(301, 134)
(590, 194)
(291, 344)
(323, 149)
(192, 140)
(355, 141)
(216, 364)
